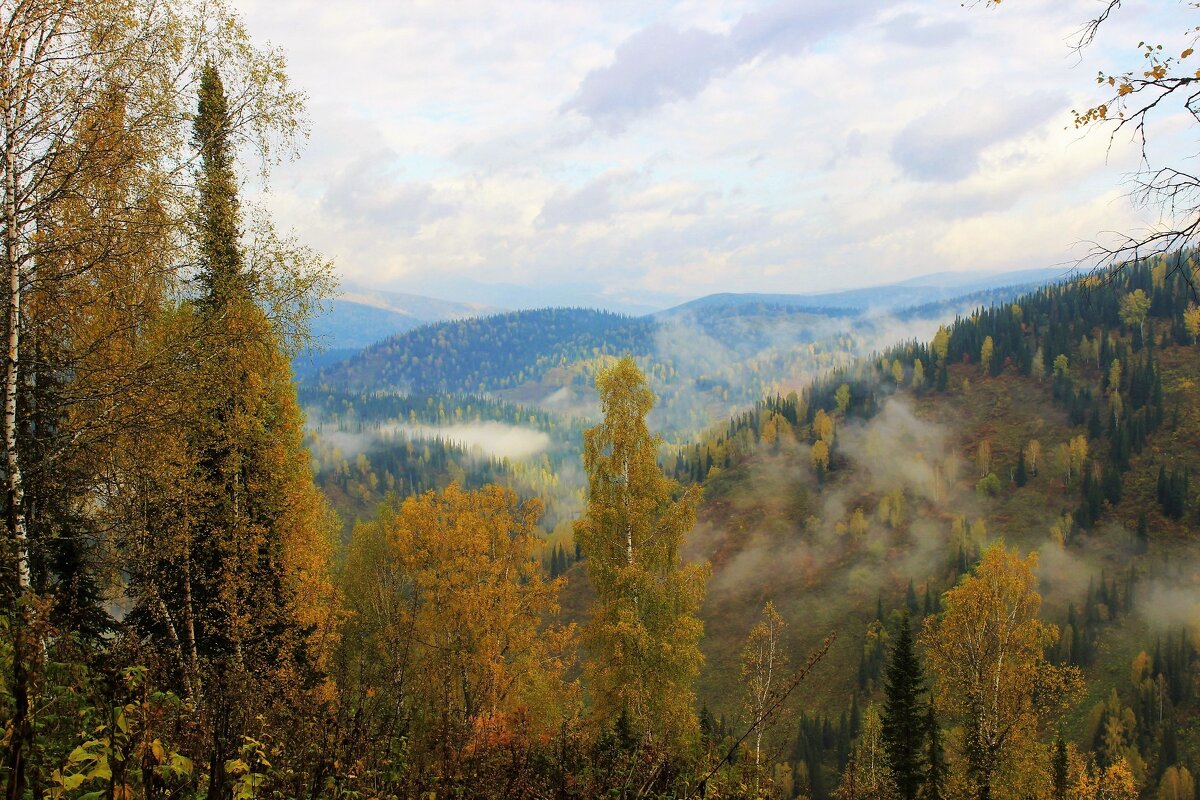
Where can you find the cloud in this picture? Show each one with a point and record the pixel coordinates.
(594, 202)
(370, 192)
(494, 439)
(915, 30)
(787, 27)
(655, 66)
(661, 64)
(948, 142)
(778, 146)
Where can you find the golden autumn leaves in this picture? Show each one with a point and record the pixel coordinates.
(643, 636)
(450, 618)
(987, 651)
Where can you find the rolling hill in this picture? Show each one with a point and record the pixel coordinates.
(930, 464)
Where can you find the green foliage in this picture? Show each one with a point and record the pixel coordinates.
(905, 715)
(988, 486)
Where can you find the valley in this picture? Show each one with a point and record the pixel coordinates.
(925, 419)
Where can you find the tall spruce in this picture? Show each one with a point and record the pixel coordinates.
(936, 768)
(218, 215)
(643, 638)
(1059, 769)
(249, 585)
(904, 724)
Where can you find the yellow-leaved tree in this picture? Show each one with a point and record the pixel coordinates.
(643, 635)
(764, 668)
(987, 651)
(450, 640)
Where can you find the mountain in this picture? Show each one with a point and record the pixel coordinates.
(931, 464)
(562, 293)
(917, 291)
(704, 363)
(490, 353)
(930, 460)
(359, 316)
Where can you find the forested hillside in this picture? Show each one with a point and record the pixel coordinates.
(1063, 424)
(490, 353)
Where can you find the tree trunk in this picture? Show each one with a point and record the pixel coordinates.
(17, 530)
(189, 621)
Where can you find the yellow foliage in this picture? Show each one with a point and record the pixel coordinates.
(447, 595)
(988, 651)
(1191, 320)
(644, 634)
(819, 455)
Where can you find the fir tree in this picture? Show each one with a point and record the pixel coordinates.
(936, 769)
(1059, 766)
(904, 715)
(250, 582)
(221, 274)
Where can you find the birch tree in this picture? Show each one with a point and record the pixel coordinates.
(764, 667)
(643, 634)
(987, 651)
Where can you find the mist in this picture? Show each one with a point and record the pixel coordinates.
(493, 439)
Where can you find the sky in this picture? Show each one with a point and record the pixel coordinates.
(634, 154)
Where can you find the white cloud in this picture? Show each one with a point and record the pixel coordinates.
(707, 145)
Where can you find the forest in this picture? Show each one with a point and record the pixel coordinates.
(952, 567)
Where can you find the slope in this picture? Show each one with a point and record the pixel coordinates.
(930, 461)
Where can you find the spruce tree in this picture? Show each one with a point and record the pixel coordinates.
(221, 275)
(904, 715)
(936, 769)
(251, 582)
(1059, 766)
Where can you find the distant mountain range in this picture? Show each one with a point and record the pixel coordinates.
(922, 290)
(361, 316)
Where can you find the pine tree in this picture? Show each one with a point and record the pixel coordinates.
(643, 635)
(1021, 477)
(904, 725)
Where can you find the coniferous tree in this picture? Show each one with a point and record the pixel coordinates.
(936, 768)
(904, 723)
(247, 593)
(222, 276)
(1059, 769)
(1143, 533)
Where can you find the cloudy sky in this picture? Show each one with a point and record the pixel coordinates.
(640, 153)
